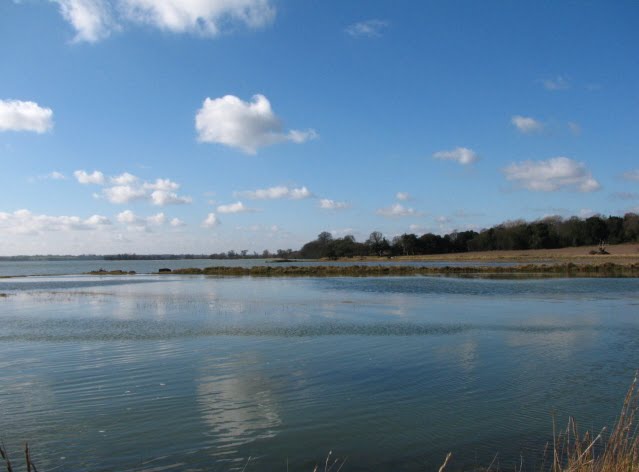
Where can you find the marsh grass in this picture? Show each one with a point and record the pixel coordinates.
(568, 269)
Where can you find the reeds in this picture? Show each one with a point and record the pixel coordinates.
(614, 452)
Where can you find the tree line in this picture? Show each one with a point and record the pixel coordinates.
(547, 233)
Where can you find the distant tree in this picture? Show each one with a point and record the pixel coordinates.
(377, 243)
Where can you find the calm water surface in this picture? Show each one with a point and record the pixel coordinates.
(150, 373)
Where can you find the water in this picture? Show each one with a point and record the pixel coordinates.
(151, 373)
(65, 267)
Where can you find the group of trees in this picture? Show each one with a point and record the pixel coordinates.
(548, 233)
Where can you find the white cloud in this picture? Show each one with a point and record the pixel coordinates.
(367, 28)
(631, 175)
(327, 204)
(26, 222)
(552, 174)
(237, 207)
(526, 124)
(94, 20)
(91, 19)
(126, 188)
(396, 210)
(16, 115)
(124, 179)
(96, 177)
(163, 198)
(56, 176)
(121, 194)
(97, 220)
(157, 219)
(176, 222)
(244, 125)
(461, 155)
(210, 221)
(557, 83)
(402, 196)
(166, 185)
(203, 17)
(127, 217)
(274, 193)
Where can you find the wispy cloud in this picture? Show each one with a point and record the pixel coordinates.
(631, 175)
(237, 207)
(328, 204)
(552, 174)
(556, 83)
(368, 28)
(461, 155)
(527, 124)
(275, 193)
(402, 196)
(247, 126)
(397, 210)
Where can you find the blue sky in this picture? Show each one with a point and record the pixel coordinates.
(208, 125)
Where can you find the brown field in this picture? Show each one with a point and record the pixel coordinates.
(619, 254)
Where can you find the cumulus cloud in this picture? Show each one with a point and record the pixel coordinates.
(124, 179)
(244, 125)
(396, 210)
(165, 185)
(26, 222)
(96, 177)
(556, 83)
(157, 219)
(91, 19)
(94, 20)
(164, 197)
(122, 194)
(275, 193)
(631, 175)
(16, 115)
(210, 221)
(461, 155)
(402, 196)
(367, 28)
(237, 207)
(327, 204)
(127, 217)
(176, 223)
(127, 188)
(552, 174)
(526, 124)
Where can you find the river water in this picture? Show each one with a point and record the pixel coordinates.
(149, 373)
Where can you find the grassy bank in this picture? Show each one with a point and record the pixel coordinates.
(617, 253)
(569, 269)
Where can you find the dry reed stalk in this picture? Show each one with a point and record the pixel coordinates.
(618, 453)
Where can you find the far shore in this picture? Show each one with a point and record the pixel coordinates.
(624, 254)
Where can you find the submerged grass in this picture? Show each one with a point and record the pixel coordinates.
(569, 269)
(616, 451)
